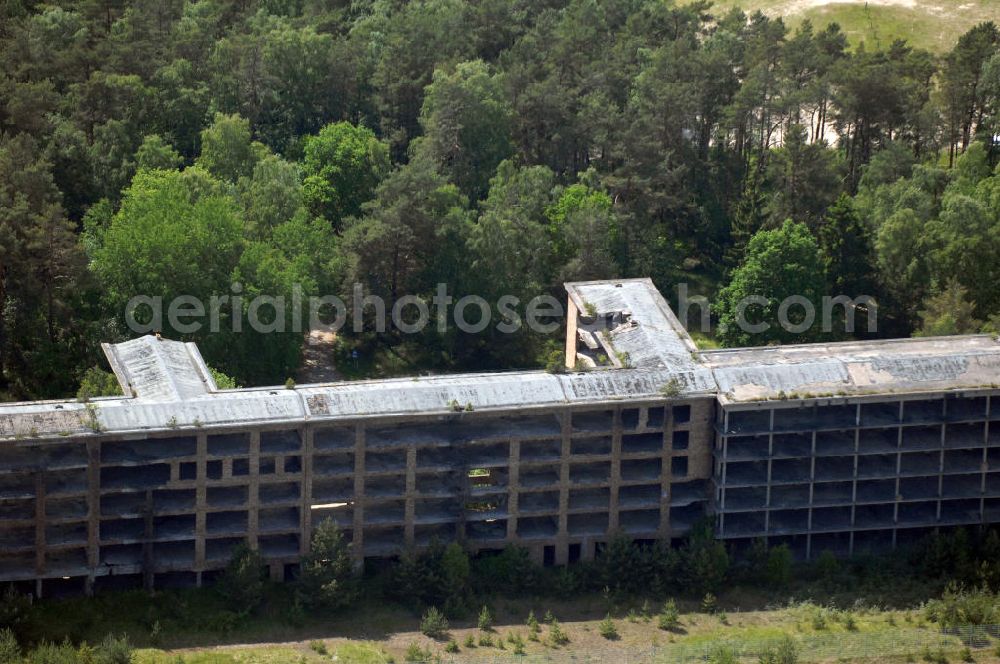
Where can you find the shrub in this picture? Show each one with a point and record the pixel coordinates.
(486, 640)
(10, 651)
(485, 619)
(827, 567)
(51, 653)
(14, 608)
(327, 579)
(607, 628)
(414, 653)
(156, 634)
(566, 582)
(723, 655)
(318, 647)
(779, 565)
(511, 573)
(966, 655)
(784, 652)
(669, 618)
(114, 650)
(455, 571)
(709, 604)
(437, 576)
(556, 635)
(534, 629)
(518, 644)
(850, 622)
(433, 623)
(451, 646)
(818, 618)
(470, 641)
(704, 560)
(937, 657)
(959, 606)
(242, 583)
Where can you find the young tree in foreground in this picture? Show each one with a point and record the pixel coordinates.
(242, 583)
(327, 580)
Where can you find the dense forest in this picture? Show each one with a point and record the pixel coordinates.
(172, 147)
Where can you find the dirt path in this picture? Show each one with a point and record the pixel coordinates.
(317, 358)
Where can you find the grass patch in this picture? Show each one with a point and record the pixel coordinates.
(931, 24)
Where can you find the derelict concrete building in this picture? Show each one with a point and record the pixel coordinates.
(836, 447)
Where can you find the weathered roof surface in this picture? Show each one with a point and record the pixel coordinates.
(170, 386)
(655, 338)
(156, 369)
(895, 366)
(170, 394)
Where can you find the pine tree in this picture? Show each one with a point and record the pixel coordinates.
(327, 580)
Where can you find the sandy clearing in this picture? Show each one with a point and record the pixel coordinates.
(800, 6)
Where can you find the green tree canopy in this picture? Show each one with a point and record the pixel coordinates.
(466, 121)
(227, 151)
(779, 264)
(343, 166)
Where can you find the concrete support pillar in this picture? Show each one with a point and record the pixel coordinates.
(409, 508)
(513, 487)
(616, 471)
(305, 512)
(562, 537)
(253, 486)
(944, 433)
(722, 475)
(588, 550)
(40, 523)
(571, 321)
(358, 541)
(201, 504)
(666, 454)
(899, 467)
(93, 510)
(147, 542)
(812, 486)
(986, 466)
(770, 453)
(854, 487)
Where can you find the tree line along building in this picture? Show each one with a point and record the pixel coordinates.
(846, 447)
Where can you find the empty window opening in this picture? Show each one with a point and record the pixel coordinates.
(654, 418)
(679, 466)
(293, 464)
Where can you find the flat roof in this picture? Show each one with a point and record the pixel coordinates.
(168, 385)
(856, 368)
(431, 395)
(653, 337)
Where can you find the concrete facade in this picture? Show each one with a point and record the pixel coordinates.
(840, 447)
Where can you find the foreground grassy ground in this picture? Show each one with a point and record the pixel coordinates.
(183, 628)
(932, 24)
(822, 635)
